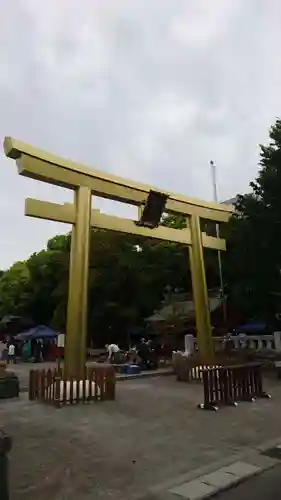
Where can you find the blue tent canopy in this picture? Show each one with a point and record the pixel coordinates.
(38, 332)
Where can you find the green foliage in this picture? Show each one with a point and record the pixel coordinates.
(127, 279)
(174, 221)
(253, 262)
(32, 288)
(12, 288)
(60, 242)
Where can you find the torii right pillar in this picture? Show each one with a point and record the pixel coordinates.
(200, 290)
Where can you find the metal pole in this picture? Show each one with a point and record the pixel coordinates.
(215, 192)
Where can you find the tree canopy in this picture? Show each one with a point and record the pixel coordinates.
(253, 263)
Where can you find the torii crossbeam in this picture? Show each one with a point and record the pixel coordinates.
(84, 181)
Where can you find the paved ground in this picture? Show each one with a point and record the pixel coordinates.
(22, 370)
(118, 450)
(266, 486)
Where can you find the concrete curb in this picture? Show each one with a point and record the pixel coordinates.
(250, 456)
(165, 373)
(239, 481)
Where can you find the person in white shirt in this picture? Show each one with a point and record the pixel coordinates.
(11, 353)
(112, 350)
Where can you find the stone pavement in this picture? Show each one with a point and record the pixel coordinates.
(22, 371)
(265, 486)
(215, 478)
(152, 439)
(214, 481)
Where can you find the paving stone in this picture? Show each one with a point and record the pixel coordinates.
(265, 445)
(258, 459)
(152, 434)
(219, 479)
(241, 469)
(194, 490)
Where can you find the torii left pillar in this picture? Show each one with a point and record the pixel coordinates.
(77, 310)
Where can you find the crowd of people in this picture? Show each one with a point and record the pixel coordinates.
(13, 350)
(8, 351)
(146, 354)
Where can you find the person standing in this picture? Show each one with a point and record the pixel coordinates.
(11, 353)
(26, 351)
(143, 353)
(38, 351)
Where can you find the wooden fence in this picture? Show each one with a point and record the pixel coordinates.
(188, 369)
(227, 385)
(52, 387)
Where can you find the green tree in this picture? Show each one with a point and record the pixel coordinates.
(174, 221)
(36, 288)
(13, 284)
(210, 256)
(127, 279)
(61, 243)
(48, 275)
(253, 262)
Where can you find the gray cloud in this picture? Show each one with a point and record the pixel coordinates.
(151, 90)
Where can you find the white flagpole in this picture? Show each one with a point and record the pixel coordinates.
(215, 194)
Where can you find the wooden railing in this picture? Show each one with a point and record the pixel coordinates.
(51, 386)
(191, 368)
(227, 385)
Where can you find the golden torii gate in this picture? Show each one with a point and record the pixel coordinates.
(37, 164)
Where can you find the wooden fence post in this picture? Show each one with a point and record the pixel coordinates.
(31, 385)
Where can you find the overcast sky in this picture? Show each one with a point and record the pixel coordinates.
(148, 89)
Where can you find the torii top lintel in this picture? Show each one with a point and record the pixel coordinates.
(40, 165)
